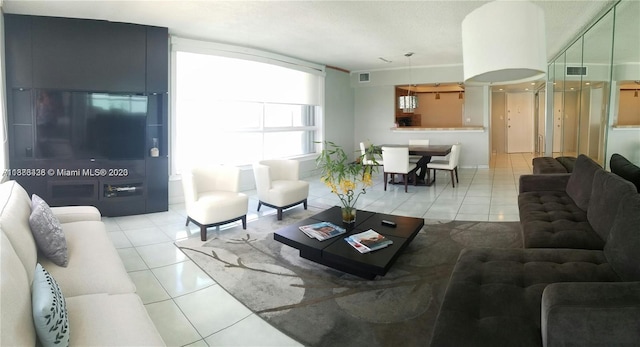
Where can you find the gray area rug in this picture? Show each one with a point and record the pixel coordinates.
(319, 306)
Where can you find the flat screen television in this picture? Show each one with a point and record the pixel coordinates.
(90, 125)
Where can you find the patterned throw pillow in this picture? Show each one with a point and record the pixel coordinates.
(47, 232)
(49, 310)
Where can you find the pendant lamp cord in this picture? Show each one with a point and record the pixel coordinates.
(408, 55)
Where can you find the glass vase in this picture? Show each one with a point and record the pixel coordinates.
(349, 215)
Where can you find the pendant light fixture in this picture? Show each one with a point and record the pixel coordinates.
(504, 41)
(408, 102)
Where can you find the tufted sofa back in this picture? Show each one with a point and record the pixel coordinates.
(581, 179)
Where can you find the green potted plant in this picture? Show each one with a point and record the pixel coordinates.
(347, 179)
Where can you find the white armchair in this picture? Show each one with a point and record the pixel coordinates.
(279, 186)
(212, 197)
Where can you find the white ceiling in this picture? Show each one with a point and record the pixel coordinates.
(351, 35)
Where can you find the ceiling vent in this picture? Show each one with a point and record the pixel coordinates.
(576, 70)
(363, 77)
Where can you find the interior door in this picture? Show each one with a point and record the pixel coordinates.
(520, 109)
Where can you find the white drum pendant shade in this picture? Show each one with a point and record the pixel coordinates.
(504, 41)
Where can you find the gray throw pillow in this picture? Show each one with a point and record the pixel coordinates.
(49, 309)
(47, 232)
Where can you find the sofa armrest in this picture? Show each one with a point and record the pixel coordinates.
(68, 214)
(591, 313)
(547, 182)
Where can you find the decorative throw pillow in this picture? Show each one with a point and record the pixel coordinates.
(47, 232)
(49, 310)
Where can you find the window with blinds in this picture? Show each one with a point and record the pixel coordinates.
(234, 111)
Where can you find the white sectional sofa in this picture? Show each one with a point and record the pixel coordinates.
(102, 306)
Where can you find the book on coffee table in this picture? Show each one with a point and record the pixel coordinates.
(368, 241)
(322, 230)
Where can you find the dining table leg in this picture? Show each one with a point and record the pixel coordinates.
(422, 165)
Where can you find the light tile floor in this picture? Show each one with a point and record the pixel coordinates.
(190, 308)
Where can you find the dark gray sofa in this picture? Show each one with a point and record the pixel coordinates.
(554, 296)
(554, 208)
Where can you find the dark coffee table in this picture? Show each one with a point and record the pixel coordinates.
(338, 254)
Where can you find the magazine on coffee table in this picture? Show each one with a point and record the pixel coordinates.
(322, 230)
(368, 241)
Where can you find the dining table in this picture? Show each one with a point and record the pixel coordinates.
(423, 178)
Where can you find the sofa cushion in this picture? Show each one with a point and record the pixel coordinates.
(623, 245)
(16, 319)
(218, 206)
(15, 208)
(111, 320)
(606, 193)
(494, 295)
(545, 165)
(47, 232)
(49, 310)
(567, 162)
(94, 264)
(550, 219)
(579, 185)
(622, 167)
(283, 192)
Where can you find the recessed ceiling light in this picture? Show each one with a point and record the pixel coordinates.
(385, 60)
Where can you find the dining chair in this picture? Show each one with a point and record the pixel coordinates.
(279, 186)
(367, 158)
(450, 165)
(212, 197)
(396, 161)
(417, 142)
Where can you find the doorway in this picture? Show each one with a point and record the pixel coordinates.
(513, 119)
(520, 110)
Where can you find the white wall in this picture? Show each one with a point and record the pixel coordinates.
(624, 141)
(374, 113)
(339, 109)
